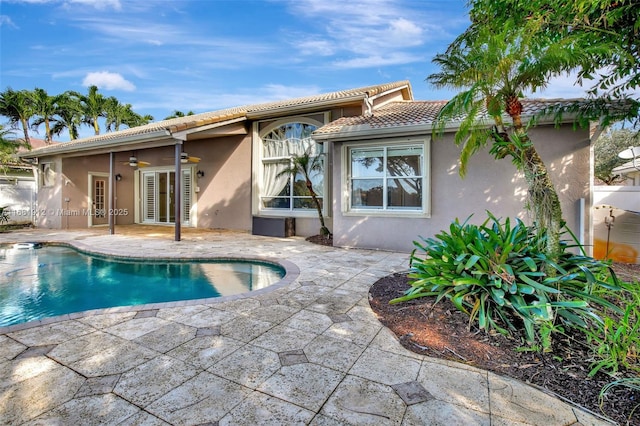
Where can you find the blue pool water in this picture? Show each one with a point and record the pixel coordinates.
(53, 280)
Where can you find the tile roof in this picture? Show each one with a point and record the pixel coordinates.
(404, 114)
(166, 127)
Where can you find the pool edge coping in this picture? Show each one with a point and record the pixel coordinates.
(292, 272)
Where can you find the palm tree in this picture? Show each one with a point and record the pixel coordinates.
(177, 114)
(93, 107)
(45, 108)
(68, 116)
(495, 67)
(17, 107)
(117, 114)
(8, 147)
(306, 164)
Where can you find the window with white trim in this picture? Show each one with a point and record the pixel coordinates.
(281, 190)
(388, 178)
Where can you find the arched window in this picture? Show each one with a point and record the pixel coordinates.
(280, 190)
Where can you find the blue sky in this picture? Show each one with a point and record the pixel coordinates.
(204, 55)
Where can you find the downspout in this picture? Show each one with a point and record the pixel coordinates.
(177, 191)
(112, 182)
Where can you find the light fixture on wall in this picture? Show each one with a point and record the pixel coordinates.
(118, 177)
(200, 173)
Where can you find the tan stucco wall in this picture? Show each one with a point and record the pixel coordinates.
(224, 200)
(489, 185)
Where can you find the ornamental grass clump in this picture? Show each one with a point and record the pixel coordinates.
(498, 274)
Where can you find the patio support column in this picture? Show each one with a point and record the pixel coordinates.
(112, 201)
(177, 191)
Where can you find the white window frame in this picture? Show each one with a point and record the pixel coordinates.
(346, 177)
(189, 203)
(258, 162)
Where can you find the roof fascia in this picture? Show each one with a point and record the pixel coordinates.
(300, 109)
(366, 132)
(157, 138)
(184, 134)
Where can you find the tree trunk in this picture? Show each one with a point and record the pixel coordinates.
(25, 128)
(323, 228)
(544, 200)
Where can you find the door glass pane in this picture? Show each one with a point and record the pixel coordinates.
(172, 197)
(162, 197)
(99, 198)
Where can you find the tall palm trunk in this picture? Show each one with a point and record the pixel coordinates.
(543, 198)
(323, 228)
(25, 129)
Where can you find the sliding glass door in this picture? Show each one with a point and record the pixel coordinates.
(158, 196)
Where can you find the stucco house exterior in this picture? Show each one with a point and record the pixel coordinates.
(385, 182)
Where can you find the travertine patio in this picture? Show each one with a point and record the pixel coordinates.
(306, 351)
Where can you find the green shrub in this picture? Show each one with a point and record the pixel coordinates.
(498, 274)
(616, 340)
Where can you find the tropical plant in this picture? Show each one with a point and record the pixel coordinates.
(117, 114)
(494, 67)
(616, 340)
(306, 164)
(69, 115)
(93, 107)
(606, 30)
(17, 106)
(495, 273)
(177, 114)
(45, 108)
(8, 147)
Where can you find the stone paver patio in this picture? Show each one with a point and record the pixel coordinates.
(308, 350)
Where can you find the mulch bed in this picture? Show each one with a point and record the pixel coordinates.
(442, 331)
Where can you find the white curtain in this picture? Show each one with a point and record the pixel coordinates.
(277, 154)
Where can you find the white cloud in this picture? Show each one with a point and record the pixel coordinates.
(108, 80)
(393, 58)
(98, 4)
(316, 47)
(6, 20)
(371, 32)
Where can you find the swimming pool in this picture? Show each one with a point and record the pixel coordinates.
(55, 280)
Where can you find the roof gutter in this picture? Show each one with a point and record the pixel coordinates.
(366, 132)
(104, 146)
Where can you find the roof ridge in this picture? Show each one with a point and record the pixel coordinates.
(210, 117)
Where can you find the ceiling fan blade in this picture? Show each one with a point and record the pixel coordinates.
(143, 163)
(194, 159)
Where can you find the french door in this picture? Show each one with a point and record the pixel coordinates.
(159, 196)
(99, 185)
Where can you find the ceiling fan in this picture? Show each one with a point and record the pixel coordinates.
(185, 158)
(134, 162)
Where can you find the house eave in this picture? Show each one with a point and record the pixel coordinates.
(360, 132)
(153, 139)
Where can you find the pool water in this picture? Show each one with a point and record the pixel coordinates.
(53, 280)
